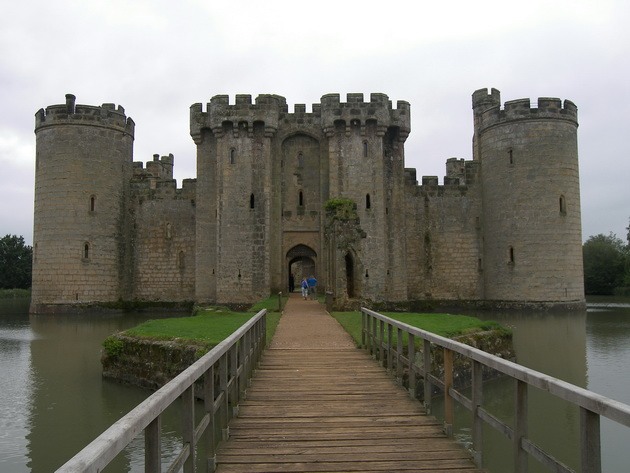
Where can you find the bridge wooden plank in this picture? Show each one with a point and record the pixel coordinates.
(318, 404)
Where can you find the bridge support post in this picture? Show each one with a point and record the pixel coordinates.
(188, 427)
(153, 446)
(390, 354)
(411, 354)
(428, 389)
(477, 401)
(208, 405)
(399, 355)
(520, 427)
(449, 412)
(590, 442)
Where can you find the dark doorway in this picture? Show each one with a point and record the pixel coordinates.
(349, 275)
(301, 264)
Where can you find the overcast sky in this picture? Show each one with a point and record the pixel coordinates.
(156, 58)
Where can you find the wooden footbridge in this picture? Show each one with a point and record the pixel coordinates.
(317, 403)
(312, 402)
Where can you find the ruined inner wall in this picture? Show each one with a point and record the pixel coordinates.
(83, 165)
(164, 234)
(531, 199)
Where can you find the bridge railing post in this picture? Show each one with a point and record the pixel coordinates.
(153, 446)
(233, 380)
(520, 427)
(428, 387)
(363, 329)
(223, 386)
(381, 343)
(390, 354)
(590, 442)
(208, 405)
(242, 362)
(411, 354)
(188, 427)
(368, 333)
(399, 355)
(375, 347)
(449, 412)
(477, 423)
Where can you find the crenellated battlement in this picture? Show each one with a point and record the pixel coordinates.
(460, 174)
(488, 111)
(160, 168)
(219, 111)
(273, 109)
(357, 111)
(70, 113)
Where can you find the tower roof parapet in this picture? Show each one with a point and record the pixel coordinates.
(379, 108)
(270, 109)
(70, 113)
(266, 109)
(488, 111)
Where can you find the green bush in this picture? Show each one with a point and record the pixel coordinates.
(113, 346)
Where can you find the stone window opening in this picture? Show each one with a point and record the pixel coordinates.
(232, 156)
(563, 205)
(86, 251)
(252, 201)
(365, 149)
(368, 203)
(510, 156)
(511, 255)
(301, 199)
(300, 160)
(92, 203)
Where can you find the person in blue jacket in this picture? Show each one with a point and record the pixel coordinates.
(312, 287)
(304, 286)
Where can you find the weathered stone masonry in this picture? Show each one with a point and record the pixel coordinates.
(503, 229)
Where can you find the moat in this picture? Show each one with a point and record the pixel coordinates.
(54, 400)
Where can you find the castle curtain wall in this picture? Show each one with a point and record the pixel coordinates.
(444, 237)
(164, 243)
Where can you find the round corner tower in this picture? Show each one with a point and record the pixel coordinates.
(83, 165)
(532, 244)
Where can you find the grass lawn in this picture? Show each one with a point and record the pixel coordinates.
(446, 325)
(208, 327)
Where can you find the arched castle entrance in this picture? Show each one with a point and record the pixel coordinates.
(301, 262)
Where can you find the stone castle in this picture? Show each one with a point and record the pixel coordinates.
(324, 192)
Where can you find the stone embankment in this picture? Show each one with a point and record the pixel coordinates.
(151, 364)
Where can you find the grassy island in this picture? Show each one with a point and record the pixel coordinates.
(446, 325)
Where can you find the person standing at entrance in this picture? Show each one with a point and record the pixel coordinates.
(304, 288)
(312, 287)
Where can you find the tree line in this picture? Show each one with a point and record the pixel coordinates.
(607, 264)
(16, 263)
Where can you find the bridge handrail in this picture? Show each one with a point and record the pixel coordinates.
(592, 405)
(102, 450)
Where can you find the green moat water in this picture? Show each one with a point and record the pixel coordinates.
(53, 400)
